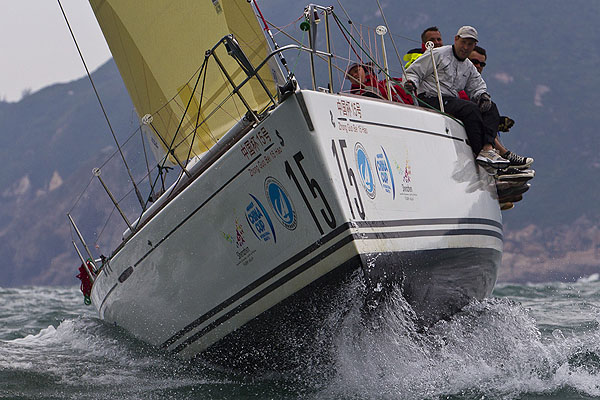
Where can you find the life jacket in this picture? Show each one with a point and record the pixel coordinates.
(413, 54)
(378, 89)
(370, 88)
(399, 93)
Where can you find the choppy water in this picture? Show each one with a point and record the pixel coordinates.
(527, 342)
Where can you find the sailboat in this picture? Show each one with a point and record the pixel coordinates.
(284, 191)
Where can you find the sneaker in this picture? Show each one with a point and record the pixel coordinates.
(492, 159)
(515, 175)
(512, 191)
(506, 206)
(503, 186)
(517, 161)
(510, 199)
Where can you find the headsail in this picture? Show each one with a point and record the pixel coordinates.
(159, 47)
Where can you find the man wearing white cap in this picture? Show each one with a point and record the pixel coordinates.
(456, 72)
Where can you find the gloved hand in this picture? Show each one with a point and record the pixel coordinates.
(485, 102)
(410, 87)
(505, 124)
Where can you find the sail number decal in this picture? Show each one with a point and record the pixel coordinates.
(315, 190)
(358, 204)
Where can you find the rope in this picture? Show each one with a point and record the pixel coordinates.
(96, 244)
(193, 137)
(347, 40)
(137, 192)
(81, 195)
(389, 77)
(146, 157)
(392, 38)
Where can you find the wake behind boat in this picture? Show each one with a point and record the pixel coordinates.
(283, 192)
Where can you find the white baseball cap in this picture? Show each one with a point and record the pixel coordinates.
(467, 32)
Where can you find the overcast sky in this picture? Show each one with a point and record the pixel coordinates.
(37, 49)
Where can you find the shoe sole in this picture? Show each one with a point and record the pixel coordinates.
(506, 206)
(500, 165)
(521, 175)
(506, 184)
(521, 166)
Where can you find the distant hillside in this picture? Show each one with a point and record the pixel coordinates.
(541, 71)
(54, 138)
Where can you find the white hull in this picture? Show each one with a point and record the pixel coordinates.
(393, 187)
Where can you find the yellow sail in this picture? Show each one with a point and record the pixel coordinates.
(159, 47)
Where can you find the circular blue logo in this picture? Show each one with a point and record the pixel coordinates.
(364, 169)
(281, 203)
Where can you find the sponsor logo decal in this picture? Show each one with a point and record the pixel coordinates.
(384, 173)
(364, 169)
(280, 202)
(259, 221)
(244, 254)
(407, 172)
(407, 180)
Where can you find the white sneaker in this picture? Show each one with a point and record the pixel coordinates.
(491, 159)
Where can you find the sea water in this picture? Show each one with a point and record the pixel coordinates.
(525, 342)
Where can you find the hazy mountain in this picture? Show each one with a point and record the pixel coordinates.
(541, 72)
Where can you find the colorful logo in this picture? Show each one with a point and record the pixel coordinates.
(407, 172)
(364, 169)
(406, 185)
(281, 203)
(259, 221)
(239, 233)
(384, 173)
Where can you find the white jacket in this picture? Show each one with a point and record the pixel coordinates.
(454, 75)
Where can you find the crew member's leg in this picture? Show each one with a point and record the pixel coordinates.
(491, 120)
(471, 117)
(481, 138)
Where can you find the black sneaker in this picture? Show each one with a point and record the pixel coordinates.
(515, 174)
(517, 161)
(512, 191)
(511, 199)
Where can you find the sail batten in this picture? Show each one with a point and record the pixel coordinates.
(159, 47)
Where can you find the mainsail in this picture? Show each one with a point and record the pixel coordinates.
(159, 47)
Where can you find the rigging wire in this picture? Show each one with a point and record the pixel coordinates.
(194, 136)
(146, 158)
(97, 241)
(394, 80)
(392, 38)
(81, 195)
(280, 55)
(137, 192)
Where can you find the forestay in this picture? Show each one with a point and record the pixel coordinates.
(159, 47)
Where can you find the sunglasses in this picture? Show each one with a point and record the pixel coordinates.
(477, 62)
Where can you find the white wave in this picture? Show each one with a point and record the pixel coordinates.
(587, 279)
(492, 349)
(43, 335)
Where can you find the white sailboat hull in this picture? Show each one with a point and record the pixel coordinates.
(325, 185)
